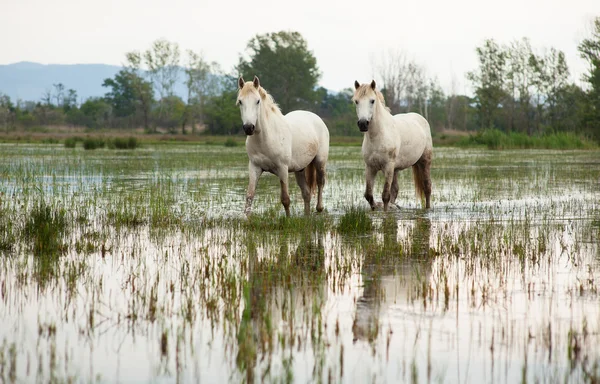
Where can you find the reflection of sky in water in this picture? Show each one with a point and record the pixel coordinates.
(500, 305)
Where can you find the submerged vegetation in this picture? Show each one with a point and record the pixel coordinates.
(148, 254)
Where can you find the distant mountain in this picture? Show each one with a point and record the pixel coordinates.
(28, 81)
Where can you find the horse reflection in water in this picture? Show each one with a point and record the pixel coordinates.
(394, 269)
(284, 291)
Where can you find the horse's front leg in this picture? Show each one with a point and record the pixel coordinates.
(370, 180)
(254, 173)
(388, 173)
(283, 175)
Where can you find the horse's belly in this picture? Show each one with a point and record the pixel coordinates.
(304, 150)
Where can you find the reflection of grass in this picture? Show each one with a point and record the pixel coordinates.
(7, 238)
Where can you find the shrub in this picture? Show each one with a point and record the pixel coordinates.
(90, 143)
(70, 142)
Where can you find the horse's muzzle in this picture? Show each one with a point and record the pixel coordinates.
(249, 129)
(363, 125)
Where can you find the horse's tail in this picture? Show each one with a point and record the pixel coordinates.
(419, 179)
(310, 172)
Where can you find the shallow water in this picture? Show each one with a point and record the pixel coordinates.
(160, 277)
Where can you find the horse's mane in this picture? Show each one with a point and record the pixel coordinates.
(364, 90)
(267, 99)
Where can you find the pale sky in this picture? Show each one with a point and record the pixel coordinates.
(344, 35)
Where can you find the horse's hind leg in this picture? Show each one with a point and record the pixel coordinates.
(425, 169)
(388, 173)
(320, 185)
(305, 189)
(394, 190)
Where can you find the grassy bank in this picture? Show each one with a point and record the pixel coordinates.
(491, 139)
(495, 139)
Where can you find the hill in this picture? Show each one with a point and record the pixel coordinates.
(29, 81)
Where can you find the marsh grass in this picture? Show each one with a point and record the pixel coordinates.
(71, 142)
(91, 143)
(45, 229)
(7, 236)
(123, 143)
(154, 257)
(355, 221)
(496, 139)
(230, 142)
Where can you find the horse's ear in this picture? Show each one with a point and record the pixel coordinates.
(256, 82)
(356, 84)
(241, 82)
(373, 85)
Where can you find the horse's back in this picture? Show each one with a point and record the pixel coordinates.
(415, 136)
(415, 126)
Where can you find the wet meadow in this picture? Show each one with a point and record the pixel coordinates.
(140, 266)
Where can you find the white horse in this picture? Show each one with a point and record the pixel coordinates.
(391, 144)
(297, 142)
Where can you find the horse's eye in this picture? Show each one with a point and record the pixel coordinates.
(257, 101)
(356, 102)
(240, 102)
(373, 101)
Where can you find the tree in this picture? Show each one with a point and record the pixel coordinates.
(551, 75)
(589, 49)
(488, 82)
(95, 112)
(70, 100)
(162, 61)
(142, 88)
(200, 83)
(392, 69)
(405, 83)
(286, 67)
(222, 114)
(122, 94)
(518, 84)
(338, 111)
(7, 112)
(59, 90)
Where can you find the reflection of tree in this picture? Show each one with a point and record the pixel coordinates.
(389, 270)
(282, 297)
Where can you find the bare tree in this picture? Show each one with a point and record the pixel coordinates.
(405, 83)
(452, 104)
(59, 93)
(392, 68)
(162, 61)
(47, 97)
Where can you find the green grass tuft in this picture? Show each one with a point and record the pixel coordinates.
(356, 221)
(230, 142)
(90, 143)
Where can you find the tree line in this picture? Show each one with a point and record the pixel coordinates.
(516, 88)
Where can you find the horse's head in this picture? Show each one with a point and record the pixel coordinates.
(250, 97)
(365, 97)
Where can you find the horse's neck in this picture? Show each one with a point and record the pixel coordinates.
(381, 122)
(270, 123)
